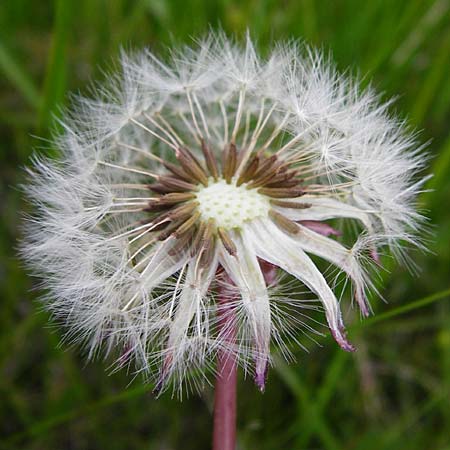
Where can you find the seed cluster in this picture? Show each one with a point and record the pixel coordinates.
(230, 206)
(199, 202)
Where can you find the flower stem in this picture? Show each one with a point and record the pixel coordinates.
(224, 434)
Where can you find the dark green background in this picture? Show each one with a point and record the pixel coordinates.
(392, 394)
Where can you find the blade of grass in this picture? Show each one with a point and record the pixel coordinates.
(55, 79)
(43, 426)
(386, 47)
(323, 396)
(309, 19)
(440, 170)
(423, 29)
(19, 78)
(396, 436)
(314, 421)
(430, 85)
(404, 309)
(444, 349)
(310, 419)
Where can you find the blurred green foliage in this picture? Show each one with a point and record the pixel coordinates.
(392, 394)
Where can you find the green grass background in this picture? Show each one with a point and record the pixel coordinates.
(392, 394)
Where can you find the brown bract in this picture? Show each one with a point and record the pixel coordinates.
(174, 211)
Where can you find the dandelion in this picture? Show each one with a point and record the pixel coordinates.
(188, 187)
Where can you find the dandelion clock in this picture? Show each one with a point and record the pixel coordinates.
(193, 199)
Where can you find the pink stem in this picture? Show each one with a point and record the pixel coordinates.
(224, 434)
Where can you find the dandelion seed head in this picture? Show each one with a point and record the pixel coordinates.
(214, 170)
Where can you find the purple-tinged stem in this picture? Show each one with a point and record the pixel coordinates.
(224, 434)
